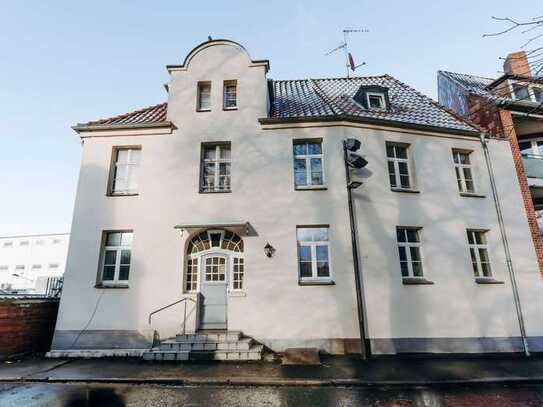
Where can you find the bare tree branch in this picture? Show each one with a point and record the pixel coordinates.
(514, 25)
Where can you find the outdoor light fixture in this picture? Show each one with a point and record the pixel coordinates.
(354, 184)
(269, 250)
(356, 161)
(352, 144)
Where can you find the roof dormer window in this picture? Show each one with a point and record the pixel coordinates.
(376, 101)
(372, 97)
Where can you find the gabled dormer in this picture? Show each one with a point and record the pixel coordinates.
(373, 97)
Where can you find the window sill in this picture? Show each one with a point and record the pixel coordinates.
(487, 280)
(316, 282)
(216, 192)
(472, 195)
(114, 286)
(237, 294)
(311, 188)
(227, 109)
(416, 281)
(203, 110)
(112, 194)
(409, 191)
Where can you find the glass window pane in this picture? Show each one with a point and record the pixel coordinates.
(404, 268)
(125, 256)
(109, 273)
(456, 159)
(299, 165)
(113, 239)
(123, 272)
(224, 169)
(304, 234)
(521, 92)
(401, 152)
(400, 234)
(392, 180)
(525, 147)
(402, 253)
(390, 150)
(412, 235)
(122, 156)
(323, 269)
(305, 269)
(225, 152)
(135, 155)
(415, 253)
(320, 234)
(417, 269)
(483, 255)
(215, 239)
(316, 178)
(322, 253)
(110, 257)
(470, 236)
(486, 269)
(300, 148)
(402, 166)
(126, 238)
(538, 93)
(316, 165)
(314, 148)
(404, 179)
(209, 152)
(469, 186)
(304, 253)
(478, 237)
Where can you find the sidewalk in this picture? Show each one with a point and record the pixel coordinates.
(334, 371)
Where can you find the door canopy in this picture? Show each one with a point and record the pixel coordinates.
(215, 239)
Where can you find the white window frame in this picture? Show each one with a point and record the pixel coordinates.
(459, 171)
(217, 161)
(133, 167)
(226, 85)
(382, 101)
(118, 249)
(528, 86)
(476, 246)
(199, 104)
(313, 247)
(408, 245)
(396, 163)
(308, 169)
(534, 146)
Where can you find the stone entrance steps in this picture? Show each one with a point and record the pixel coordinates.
(206, 345)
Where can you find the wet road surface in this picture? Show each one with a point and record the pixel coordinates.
(106, 395)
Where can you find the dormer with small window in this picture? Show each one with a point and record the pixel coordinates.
(373, 97)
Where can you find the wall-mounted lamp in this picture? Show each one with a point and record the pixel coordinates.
(269, 250)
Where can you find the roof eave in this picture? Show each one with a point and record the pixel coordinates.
(81, 127)
(367, 120)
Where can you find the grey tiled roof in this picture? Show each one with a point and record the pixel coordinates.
(476, 85)
(151, 114)
(314, 98)
(310, 98)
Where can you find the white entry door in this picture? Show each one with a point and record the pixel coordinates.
(213, 289)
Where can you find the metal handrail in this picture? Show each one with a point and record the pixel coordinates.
(172, 304)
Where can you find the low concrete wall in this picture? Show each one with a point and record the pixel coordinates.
(26, 325)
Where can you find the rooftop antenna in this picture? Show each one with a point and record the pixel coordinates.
(349, 60)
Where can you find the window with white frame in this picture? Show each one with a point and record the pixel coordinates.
(7, 244)
(230, 95)
(204, 96)
(538, 94)
(531, 147)
(376, 101)
(237, 274)
(24, 243)
(116, 257)
(191, 277)
(398, 165)
(53, 266)
(521, 92)
(216, 162)
(20, 268)
(36, 267)
(308, 164)
(409, 250)
(463, 171)
(313, 253)
(125, 171)
(478, 250)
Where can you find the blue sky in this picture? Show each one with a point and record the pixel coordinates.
(63, 62)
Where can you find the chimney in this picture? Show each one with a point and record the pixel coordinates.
(517, 63)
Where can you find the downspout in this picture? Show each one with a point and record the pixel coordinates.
(365, 348)
(501, 223)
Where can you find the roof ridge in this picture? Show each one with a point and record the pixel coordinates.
(330, 78)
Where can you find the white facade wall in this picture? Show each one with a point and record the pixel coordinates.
(31, 257)
(275, 309)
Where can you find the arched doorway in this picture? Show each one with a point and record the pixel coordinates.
(214, 266)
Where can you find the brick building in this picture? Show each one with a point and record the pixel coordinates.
(509, 107)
